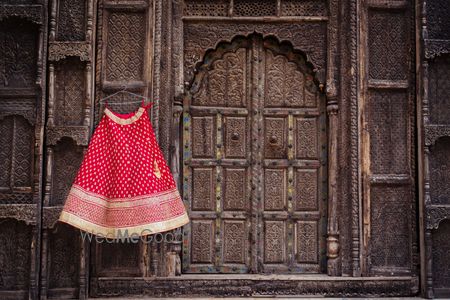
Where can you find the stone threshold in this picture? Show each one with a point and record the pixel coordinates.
(248, 285)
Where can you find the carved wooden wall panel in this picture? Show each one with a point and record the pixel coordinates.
(124, 49)
(439, 90)
(255, 8)
(70, 88)
(17, 162)
(283, 159)
(63, 267)
(440, 172)
(23, 36)
(18, 45)
(388, 135)
(441, 260)
(434, 101)
(67, 159)
(117, 259)
(71, 20)
(15, 260)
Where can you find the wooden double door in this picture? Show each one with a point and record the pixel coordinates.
(254, 162)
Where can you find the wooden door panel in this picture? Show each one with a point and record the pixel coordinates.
(203, 186)
(306, 189)
(236, 183)
(235, 242)
(235, 137)
(306, 138)
(274, 242)
(202, 241)
(224, 84)
(275, 189)
(307, 246)
(203, 127)
(275, 137)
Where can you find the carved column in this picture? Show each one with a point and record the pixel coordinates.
(173, 256)
(48, 178)
(84, 252)
(44, 260)
(88, 95)
(333, 266)
(51, 94)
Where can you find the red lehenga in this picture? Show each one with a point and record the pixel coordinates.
(124, 185)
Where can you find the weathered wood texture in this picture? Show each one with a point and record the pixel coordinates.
(433, 101)
(386, 106)
(289, 126)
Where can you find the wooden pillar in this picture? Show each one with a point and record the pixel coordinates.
(333, 267)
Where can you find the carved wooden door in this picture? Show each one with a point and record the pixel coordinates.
(254, 162)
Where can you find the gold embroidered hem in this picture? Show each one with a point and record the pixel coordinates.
(113, 233)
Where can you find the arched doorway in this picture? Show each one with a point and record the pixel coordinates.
(254, 153)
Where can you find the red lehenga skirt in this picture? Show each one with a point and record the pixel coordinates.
(124, 185)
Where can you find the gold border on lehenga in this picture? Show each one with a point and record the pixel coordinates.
(77, 191)
(116, 232)
(126, 121)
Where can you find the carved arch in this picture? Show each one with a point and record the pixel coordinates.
(292, 53)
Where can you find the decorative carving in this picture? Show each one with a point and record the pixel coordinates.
(64, 268)
(307, 143)
(434, 48)
(439, 90)
(439, 166)
(234, 245)
(125, 46)
(235, 195)
(224, 83)
(17, 152)
(66, 162)
(199, 37)
(20, 212)
(286, 86)
(32, 13)
(390, 228)
(202, 240)
(275, 139)
(441, 256)
(254, 8)
(15, 238)
(18, 48)
(71, 21)
(50, 216)
(438, 23)
(274, 242)
(434, 132)
(255, 286)
(80, 134)
(70, 89)
(435, 214)
(235, 137)
(304, 8)
(24, 107)
(202, 189)
(388, 130)
(274, 189)
(388, 40)
(203, 137)
(306, 190)
(206, 8)
(61, 50)
(307, 246)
